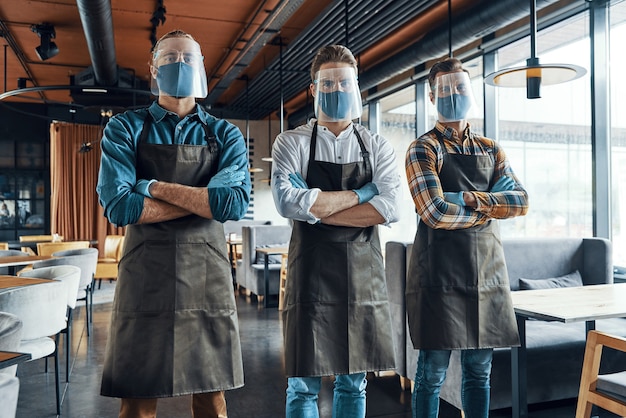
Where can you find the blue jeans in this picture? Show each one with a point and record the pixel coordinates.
(348, 396)
(431, 373)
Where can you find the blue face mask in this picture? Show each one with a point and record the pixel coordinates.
(455, 107)
(336, 104)
(176, 79)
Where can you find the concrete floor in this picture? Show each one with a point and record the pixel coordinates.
(263, 395)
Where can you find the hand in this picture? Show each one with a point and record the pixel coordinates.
(454, 198)
(227, 177)
(298, 181)
(143, 187)
(366, 193)
(503, 184)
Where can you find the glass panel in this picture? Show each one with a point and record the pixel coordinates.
(30, 155)
(618, 131)
(7, 214)
(365, 117)
(7, 153)
(397, 125)
(548, 140)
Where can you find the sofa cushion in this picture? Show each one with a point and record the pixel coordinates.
(613, 384)
(572, 279)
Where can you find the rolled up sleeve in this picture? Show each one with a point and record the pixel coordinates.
(291, 202)
(231, 203)
(117, 175)
(386, 177)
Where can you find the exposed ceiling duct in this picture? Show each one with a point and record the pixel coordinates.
(264, 34)
(466, 29)
(97, 19)
(489, 17)
(369, 22)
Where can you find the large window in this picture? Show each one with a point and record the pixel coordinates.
(618, 131)
(548, 140)
(397, 125)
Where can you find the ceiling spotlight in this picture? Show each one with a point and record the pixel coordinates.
(47, 48)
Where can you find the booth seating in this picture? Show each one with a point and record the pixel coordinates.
(250, 269)
(554, 350)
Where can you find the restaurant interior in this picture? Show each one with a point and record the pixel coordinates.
(545, 78)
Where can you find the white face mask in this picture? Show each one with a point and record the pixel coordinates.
(337, 95)
(453, 96)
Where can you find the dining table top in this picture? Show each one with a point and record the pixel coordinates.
(572, 304)
(7, 281)
(10, 358)
(22, 260)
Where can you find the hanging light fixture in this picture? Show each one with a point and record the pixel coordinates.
(533, 75)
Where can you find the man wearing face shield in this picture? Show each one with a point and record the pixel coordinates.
(336, 181)
(457, 291)
(173, 173)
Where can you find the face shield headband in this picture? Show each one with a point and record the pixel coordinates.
(453, 96)
(178, 74)
(337, 95)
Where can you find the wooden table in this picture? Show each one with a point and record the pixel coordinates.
(10, 358)
(267, 252)
(7, 282)
(21, 260)
(567, 304)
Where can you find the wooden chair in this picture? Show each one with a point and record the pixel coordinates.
(107, 265)
(4, 245)
(283, 282)
(37, 238)
(605, 391)
(47, 248)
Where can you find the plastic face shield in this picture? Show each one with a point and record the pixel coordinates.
(179, 73)
(337, 95)
(453, 96)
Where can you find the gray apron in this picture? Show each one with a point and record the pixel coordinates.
(336, 318)
(458, 294)
(174, 327)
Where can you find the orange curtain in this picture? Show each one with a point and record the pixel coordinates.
(74, 209)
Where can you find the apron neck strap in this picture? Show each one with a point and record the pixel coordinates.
(208, 134)
(364, 152)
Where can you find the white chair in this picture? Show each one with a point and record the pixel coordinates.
(10, 336)
(9, 392)
(87, 260)
(71, 276)
(42, 308)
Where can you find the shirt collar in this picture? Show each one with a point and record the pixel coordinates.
(159, 113)
(450, 133)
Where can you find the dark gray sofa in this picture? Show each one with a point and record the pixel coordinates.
(555, 350)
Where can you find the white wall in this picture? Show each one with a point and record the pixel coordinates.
(263, 134)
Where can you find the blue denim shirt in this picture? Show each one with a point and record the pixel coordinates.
(122, 206)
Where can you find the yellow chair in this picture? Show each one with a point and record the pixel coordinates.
(606, 391)
(4, 245)
(107, 265)
(47, 248)
(38, 238)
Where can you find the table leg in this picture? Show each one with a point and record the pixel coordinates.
(266, 278)
(519, 372)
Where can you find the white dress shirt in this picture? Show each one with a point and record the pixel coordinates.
(290, 153)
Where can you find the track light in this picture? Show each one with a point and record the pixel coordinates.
(47, 48)
(85, 147)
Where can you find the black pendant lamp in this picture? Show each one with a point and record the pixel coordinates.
(533, 75)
